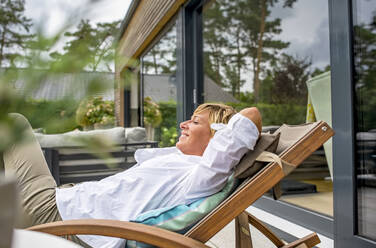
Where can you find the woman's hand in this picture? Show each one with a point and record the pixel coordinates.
(254, 115)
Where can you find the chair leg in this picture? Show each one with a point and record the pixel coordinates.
(264, 230)
(242, 232)
(305, 242)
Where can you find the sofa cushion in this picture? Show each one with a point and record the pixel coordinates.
(135, 134)
(115, 135)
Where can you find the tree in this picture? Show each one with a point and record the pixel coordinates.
(162, 57)
(215, 40)
(14, 31)
(319, 71)
(365, 73)
(289, 77)
(239, 37)
(259, 32)
(90, 47)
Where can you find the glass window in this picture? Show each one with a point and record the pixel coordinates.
(365, 92)
(158, 77)
(264, 55)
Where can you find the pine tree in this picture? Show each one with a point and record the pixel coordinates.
(239, 37)
(289, 77)
(259, 30)
(89, 48)
(14, 31)
(215, 40)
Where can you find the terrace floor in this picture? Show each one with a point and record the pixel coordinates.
(226, 237)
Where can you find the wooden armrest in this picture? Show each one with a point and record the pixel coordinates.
(120, 229)
(307, 241)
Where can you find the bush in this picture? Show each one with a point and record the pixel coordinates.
(52, 116)
(95, 110)
(277, 114)
(167, 132)
(168, 137)
(152, 114)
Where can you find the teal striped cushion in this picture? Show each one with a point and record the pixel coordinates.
(182, 217)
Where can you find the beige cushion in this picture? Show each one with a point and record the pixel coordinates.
(115, 136)
(248, 166)
(291, 134)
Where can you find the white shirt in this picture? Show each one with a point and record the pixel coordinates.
(162, 177)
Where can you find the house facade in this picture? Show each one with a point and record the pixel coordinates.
(277, 55)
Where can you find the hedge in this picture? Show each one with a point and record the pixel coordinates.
(277, 114)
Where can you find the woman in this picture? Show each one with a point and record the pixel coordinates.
(198, 166)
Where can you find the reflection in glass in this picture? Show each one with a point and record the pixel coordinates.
(159, 90)
(262, 53)
(365, 90)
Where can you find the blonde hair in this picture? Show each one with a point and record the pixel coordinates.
(218, 113)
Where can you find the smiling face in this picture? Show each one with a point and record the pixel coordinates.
(195, 134)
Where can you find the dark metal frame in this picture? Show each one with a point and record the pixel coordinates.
(82, 170)
(126, 107)
(344, 161)
(189, 59)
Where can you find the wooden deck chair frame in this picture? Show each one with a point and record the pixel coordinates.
(232, 208)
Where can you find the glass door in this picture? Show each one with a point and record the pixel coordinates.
(353, 39)
(159, 86)
(364, 48)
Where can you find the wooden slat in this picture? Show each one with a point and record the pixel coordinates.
(121, 229)
(264, 229)
(259, 184)
(147, 21)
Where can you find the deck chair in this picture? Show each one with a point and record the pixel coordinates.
(298, 143)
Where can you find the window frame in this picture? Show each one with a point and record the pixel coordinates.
(343, 109)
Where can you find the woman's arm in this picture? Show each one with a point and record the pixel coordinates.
(254, 115)
(224, 151)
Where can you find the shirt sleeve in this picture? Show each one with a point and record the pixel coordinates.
(223, 152)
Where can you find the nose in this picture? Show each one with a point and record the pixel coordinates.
(184, 124)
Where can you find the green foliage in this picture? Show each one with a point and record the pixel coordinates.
(90, 47)
(152, 115)
(246, 97)
(95, 110)
(14, 31)
(239, 32)
(52, 116)
(289, 76)
(168, 137)
(319, 71)
(365, 74)
(167, 133)
(161, 59)
(277, 114)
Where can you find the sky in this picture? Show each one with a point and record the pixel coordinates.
(306, 28)
(51, 15)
